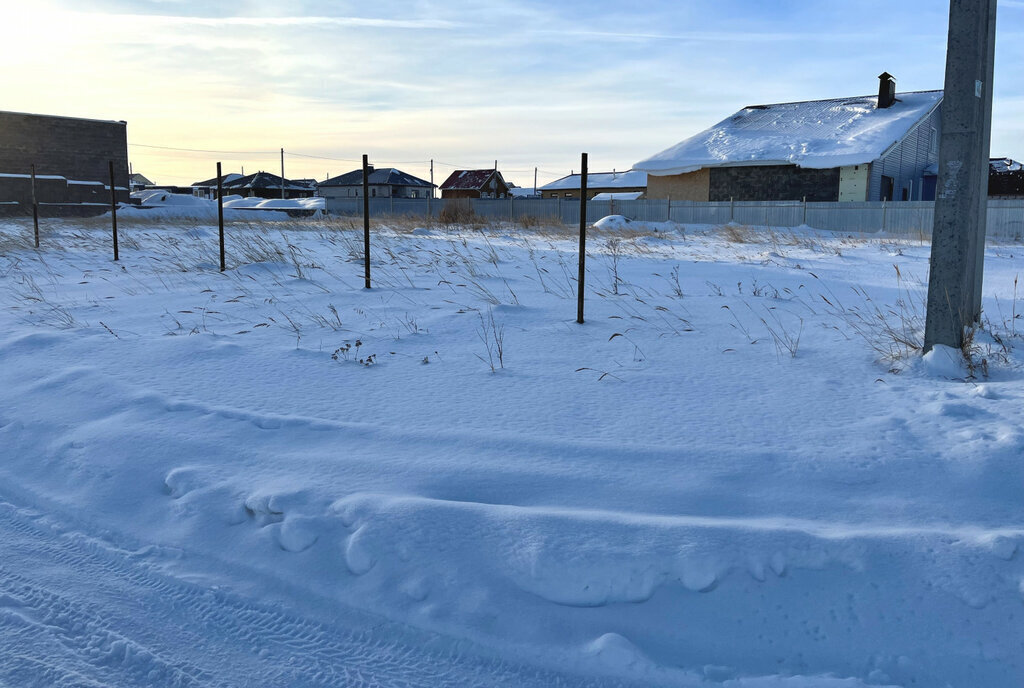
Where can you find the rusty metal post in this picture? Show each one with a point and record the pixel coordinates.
(583, 240)
(366, 219)
(35, 207)
(220, 218)
(113, 209)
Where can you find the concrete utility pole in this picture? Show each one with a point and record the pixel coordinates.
(961, 199)
(282, 173)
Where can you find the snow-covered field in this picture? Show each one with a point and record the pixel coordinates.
(736, 473)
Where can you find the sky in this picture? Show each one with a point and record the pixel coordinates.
(528, 83)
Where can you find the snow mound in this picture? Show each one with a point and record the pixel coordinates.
(275, 203)
(613, 222)
(944, 361)
(158, 203)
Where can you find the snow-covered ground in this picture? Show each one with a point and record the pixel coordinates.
(164, 205)
(736, 473)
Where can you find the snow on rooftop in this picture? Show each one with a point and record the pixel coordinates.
(818, 134)
(1005, 165)
(620, 196)
(601, 180)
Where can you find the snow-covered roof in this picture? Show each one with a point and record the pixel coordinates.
(384, 175)
(262, 180)
(230, 177)
(630, 179)
(1005, 165)
(817, 134)
(523, 192)
(470, 179)
(7, 175)
(619, 196)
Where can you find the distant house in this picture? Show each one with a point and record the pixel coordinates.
(475, 184)
(265, 185)
(208, 187)
(844, 149)
(523, 192)
(386, 182)
(630, 181)
(137, 182)
(1005, 178)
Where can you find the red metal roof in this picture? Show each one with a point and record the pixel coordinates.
(469, 179)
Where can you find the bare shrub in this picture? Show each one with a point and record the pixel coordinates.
(493, 337)
(895, 332)
(459, 212)
(528, 221)
(739, 234)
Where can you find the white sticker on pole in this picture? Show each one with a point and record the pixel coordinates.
(977, 89)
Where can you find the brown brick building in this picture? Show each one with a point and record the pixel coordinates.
(475, 184)
(71, 156)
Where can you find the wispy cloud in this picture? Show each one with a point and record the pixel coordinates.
(715, 36)
(308, 21)
(530, 82)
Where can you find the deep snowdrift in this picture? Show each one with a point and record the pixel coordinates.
(715, 481)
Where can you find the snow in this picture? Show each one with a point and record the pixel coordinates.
(600, 180)
(312, 203)
(29, 176)
(160, 204)
(719, 480)
(627, 196)
(817, 134)
(1005, 165)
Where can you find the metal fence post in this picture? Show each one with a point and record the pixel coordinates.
(113, 208)
(220, 218)
(366, 219)
(583, 239)
(35, 207)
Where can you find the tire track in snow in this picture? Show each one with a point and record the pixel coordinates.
(75, 611)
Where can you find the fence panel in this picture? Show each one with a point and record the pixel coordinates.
(1006, 219)
(905, 218)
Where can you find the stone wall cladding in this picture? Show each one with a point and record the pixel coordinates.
(773, 183)
(78, 149)
(693, 186)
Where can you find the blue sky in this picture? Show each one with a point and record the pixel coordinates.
(531, 84)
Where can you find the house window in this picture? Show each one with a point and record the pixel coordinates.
(933, 141)
(373, 192)
(568, 195)
(888, 186)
